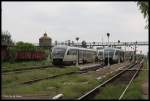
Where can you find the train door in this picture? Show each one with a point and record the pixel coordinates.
(84, 56)
(81, 58)
(122, 56)
(71, 55)
(116, 56)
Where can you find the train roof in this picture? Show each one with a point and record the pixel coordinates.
(70, 47)
(100, 50)
(112, 48)
(60, 46)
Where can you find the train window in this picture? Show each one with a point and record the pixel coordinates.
(68, 53)
(59, 50)
(100, 53)
(89, 54)
(111, 53)
(117, 52)
(122, 53)
(80, 51)
(72, 52)
(93, 53)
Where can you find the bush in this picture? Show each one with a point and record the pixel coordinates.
(12, 54)
(36, 53)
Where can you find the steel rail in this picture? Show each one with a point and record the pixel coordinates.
(4, 72)
(121, 96)
(29, 82)
(58, 75)
(49, 77)
(105, 82)
(54, 76)
(22, 69)
(134, 69)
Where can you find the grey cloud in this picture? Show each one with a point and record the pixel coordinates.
(65, 20)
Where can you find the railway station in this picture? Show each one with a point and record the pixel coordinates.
(56, 64)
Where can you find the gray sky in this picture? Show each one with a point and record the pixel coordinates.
(27, 21)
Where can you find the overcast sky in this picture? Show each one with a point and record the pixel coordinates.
(90, 21)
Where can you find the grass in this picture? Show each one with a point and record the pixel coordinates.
(22, 64)
(110, 92)
(13, 78)
(134, 91)
(71, 86)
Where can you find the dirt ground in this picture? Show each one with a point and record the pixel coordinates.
(145, 89)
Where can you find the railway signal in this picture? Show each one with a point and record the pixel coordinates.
(77, 63)
(135, 51)
(125, 50)
(119, 53)
(108, 34)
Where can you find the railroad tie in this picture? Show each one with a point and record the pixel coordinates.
(59, 96)
(99, 78)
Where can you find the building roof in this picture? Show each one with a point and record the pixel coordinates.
(44, 37)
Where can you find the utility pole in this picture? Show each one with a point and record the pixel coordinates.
(108, 34)
(119, 52)
(77, 61)
(135, 51)
(125, 51)
(103, 48)
(102, 40)
(132, 53)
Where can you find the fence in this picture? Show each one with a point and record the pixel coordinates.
(40, 53)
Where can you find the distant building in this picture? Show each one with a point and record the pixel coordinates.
(45, 40)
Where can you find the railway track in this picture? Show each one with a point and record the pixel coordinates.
(54, 76)
(29, 82)
(49, 77)
(22, 69)
(59, 75)
(126, 71)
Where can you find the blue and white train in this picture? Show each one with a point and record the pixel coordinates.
(72, 55)
(114, 55)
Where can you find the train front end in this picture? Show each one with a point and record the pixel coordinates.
(108, 55)
(58, 53)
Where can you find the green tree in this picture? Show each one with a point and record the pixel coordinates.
(6, 38)
(84, 44)
(77, 38)
(144, 8)
(69, 42)
(22, 46)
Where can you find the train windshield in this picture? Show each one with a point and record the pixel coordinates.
(111, 52)
(100, 53)
(58, 52)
